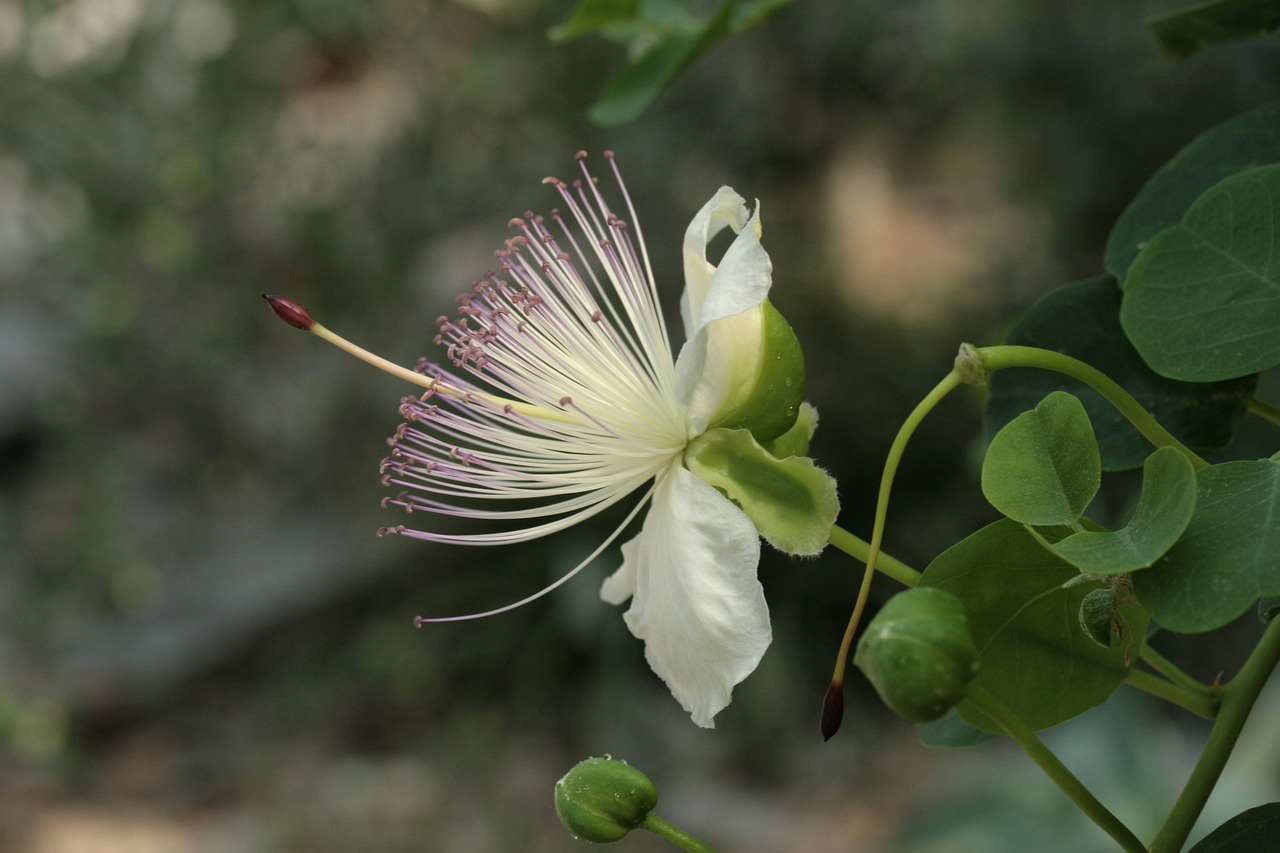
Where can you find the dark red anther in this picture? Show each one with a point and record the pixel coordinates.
(832, 710)
(291, 312)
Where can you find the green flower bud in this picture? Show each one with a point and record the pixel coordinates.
(919, 653)
(1097, 616)
(602, 800)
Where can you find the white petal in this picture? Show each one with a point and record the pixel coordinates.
(620, 585)
(723, 350)
(725, 209)
(696, 600)
(742, 280)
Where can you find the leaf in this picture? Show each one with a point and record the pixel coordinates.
(1082, 319)
(1228, 556)
(592, 16)
(1043, 468)
(1248, 140)
(950, 731)
(1251, 831)
(1032, 654)
(1164, 509)
(629, 92)
(1185, 31)
(1202, 300)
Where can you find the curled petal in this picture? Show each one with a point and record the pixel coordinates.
(723, 310)
(695, 598)
(743, 277)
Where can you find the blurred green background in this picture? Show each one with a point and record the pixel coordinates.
(204, 648)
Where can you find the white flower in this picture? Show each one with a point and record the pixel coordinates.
(563, 398)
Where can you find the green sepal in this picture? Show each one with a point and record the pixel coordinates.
(791, 501)
(768, 404)
(795, 441)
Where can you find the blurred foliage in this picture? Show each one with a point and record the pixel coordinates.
(200, 633)
(665, 37)
(1184, 31)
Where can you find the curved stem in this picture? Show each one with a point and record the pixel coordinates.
(860, 549)
(675, 835)
(1190, 700)
(949, 383)
(1263, 410)
(1053, 767)
(1170, 670)
(995, 358)
(1238, 697)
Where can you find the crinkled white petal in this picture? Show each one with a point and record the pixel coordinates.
(723, 351)
(725, 209)
(695, 598)
(742, 280)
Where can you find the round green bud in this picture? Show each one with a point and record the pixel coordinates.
(919, 653)
(1097, 615)
(602, 800)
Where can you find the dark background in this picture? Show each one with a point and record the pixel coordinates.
(202, 645)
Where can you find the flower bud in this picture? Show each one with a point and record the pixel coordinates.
(602, 800)
(1097, 615)
(919, 653)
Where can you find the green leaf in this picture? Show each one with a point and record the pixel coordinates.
(950, 731)
(1082, 319)
(1163, 513)
(1185, 31)
(1251, 831)
(1228, 556)
(1202, 300)
(791, 501)
(1248, 140)
(592, 16)
(631, 91)
(1032, 655)
(1043, 468)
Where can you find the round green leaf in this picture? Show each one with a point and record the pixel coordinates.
(1248, 140)
(1163, 512)
(1202, 299)
(1043, 468)
(1251, 831)
(1032, 655)
(1228, 556)
(1082, 319)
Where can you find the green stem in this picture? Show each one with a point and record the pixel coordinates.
(1238, 697)
(1263, 410)
(674, 834)
(1054, 768)
(949, 383)
(1192, 700)
(860, 549)
(1170, 670)
(996, 358)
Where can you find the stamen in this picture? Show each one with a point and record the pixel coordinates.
(298, 317)
(419, 621)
